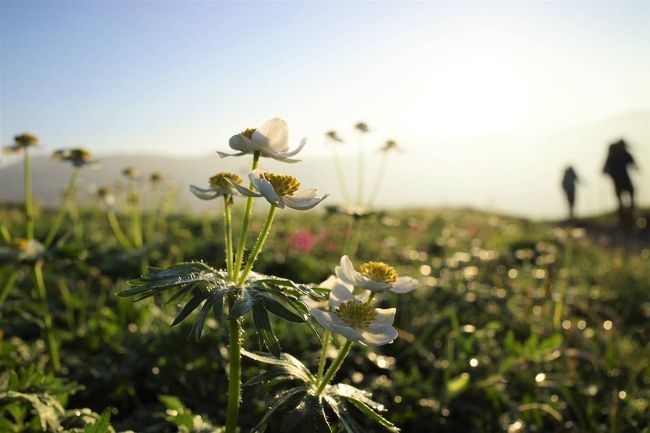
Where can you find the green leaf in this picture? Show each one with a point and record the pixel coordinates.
(241, 306)
(287, 398)
(315, 420)
(281, 311)
(197, 329)
(264, 331)
(102, 425)
(189, 307)
(369, 413)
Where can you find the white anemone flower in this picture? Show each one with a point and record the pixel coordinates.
(221, 184)
(280, 190)
(355, 319)
(270, 139)
(375, 276)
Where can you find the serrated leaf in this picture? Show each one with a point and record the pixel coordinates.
(374, 416)
(315, 420)
(281, 311)
(197, 329)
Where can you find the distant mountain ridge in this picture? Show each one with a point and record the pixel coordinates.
(479, 172)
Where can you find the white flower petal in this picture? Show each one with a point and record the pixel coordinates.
(404, 285)
(332, 322)
(266, 189)
(274, 134)
(226, 155)
(345, 272)
(303, 203)
(375, 286)
(385, 316)
(330, 282)
(386, 336)
(243, 190)
(340, 294)
(204, 194)
(297, 149)
(243, 144)
(279, 157)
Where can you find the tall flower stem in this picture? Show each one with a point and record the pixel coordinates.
(334, 367)
(29, 211)
(117, 230)
(69, 190)
(52, 345)
(261, 239)
(339, 175)
(361, 172)
(8, 285)
(227, 203)
(241, 246)
(378, 180)
(323, 355)
(234, 373)
(136, 223)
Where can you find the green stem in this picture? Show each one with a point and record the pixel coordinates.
(62, 210)
(261, 239)
(378, 180)
(52, 346)
(234, 374)
(117, 230)
(136, 223)
(29, 211)
(339, 175)
(334, 367)
(360, 174)
(323, 355)
(227, 202)
(241, 246)
(9, 284)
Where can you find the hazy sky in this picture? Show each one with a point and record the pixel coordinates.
(478, 93)
(181, 77)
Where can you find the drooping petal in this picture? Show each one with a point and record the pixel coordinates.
(404, 285)
(243, 190)
(226, 155)
(385, 316)
(379, 337)
(297, 149)
(375, 286)
(330, 282)
(274, 135)
(303, 202)
(204, 194)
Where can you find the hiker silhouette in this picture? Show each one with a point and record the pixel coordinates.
(569, 180)
(616, 166)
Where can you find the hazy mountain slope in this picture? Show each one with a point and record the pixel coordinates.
(518, 175)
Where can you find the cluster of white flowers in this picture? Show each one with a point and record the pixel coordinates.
(270, 140)
(352, 314)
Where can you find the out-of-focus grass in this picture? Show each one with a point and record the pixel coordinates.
(517, 325)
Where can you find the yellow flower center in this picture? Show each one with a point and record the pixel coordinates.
(220, 180)
(357, 314)
(21, 244)
(79, 155)
(283, 184)
(378, 271)
(25, 140)
(248, 133)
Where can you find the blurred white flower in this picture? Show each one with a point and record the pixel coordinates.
(356, 319)
(280, 190)
(270, 139)
(220, 185)
(375, 276)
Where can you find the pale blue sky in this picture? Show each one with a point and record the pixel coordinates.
(181, 77)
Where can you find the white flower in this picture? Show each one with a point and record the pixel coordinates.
(280, 190)
(355, 319)
(270, 139)
(220, 184)
(375, 276)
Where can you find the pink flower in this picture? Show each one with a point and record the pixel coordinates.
(303, 241)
